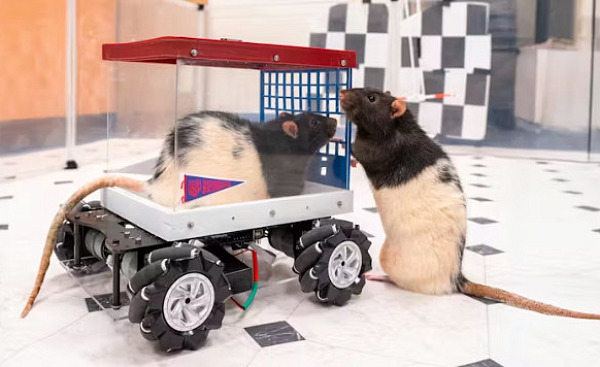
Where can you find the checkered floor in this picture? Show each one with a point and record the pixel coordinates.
(534, 229)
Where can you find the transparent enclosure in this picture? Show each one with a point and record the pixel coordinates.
(265, 146)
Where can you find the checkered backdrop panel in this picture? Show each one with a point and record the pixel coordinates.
(364, 29)
(451, 48)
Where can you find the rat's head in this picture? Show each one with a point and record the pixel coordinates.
(370, 109)
(308, 131)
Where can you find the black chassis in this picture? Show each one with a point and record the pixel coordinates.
(122, 237)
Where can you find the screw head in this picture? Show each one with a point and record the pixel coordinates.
(343, 62)
(190, 225)
(272, 212)
(194, 52)
(339, 204)
(276, 58)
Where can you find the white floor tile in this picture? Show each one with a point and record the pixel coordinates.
(549, 253)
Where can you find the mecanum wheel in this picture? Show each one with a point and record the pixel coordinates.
(177, 302)
(333, 261)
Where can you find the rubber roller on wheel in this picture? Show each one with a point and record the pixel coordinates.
(316, 235)
(173, 253)
(146, 327)
(137, 307)
(338, 297)
(359, 285)
(308, 281)
(307, 258)
(146, 275)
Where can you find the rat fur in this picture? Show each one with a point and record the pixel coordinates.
(271, 158)
(420, 201)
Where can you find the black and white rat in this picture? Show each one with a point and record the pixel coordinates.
(271, 159)
(420, 201)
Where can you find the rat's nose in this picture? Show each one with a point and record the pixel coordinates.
(342, 94)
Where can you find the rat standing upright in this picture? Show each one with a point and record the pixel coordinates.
(420, 200)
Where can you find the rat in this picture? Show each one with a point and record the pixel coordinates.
(271, 158)
(420, 201)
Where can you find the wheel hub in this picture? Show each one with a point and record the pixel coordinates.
(188, 302)
(344, 264)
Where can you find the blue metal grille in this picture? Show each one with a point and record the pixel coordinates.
(314, 91)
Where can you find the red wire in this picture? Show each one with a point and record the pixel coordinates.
(255, 265)
(242, 252)
(255, 274)
(236, 303)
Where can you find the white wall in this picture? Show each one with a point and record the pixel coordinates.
(558, 96)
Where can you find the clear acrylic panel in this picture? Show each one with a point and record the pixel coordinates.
(141, 105)
(228, 156)
(208, 136)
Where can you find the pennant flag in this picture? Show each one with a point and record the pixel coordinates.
(195, 187)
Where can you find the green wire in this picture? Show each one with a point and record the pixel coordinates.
(252, 294)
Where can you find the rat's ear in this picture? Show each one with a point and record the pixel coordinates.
(284, 114)
(290, 129)
(388, 93)
(398, 108)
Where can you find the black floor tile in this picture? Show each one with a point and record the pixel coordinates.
(589, 208)
(105, 300)
(3, 227)
(478, 175)
(597, 230)
(481, 199)
(372, 210)
(480, 185)
(8, 197)
(541, 162)
(479, 165)
(10, 177)
(551, 170)
(573, 192)
(481, 220)
(560, 180)
(485, 363)
(484, 250)
(275, 333)
(63, 182)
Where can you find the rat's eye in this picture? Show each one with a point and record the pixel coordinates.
(314, 123)
(371, 98)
